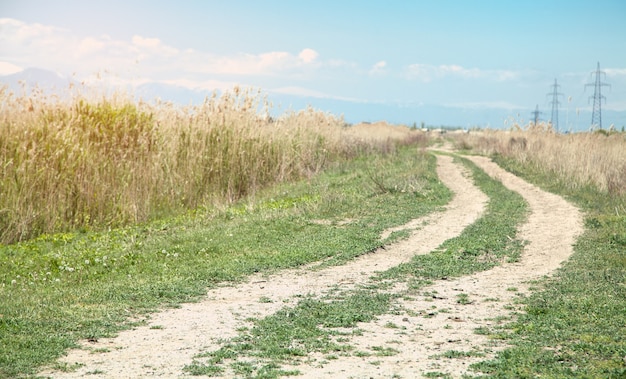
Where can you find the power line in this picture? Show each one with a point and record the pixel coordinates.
(596, 116)
(554, 118)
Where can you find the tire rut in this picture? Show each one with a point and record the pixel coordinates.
(172, 337)
(437, 334)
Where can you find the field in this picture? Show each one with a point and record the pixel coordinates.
(243, 246)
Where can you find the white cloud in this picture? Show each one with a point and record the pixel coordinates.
(299, 91)
(153, 45)
(459, 71)
(90, 45)
(615, 71)
(7, 68)
(202, 85)
(306, 92)
(146, 42)
(308, 55)
(35, 45)
(427, 73)
(423, 72)
(378, 68)
(486, 105)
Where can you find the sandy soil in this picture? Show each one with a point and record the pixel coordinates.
(431, 323)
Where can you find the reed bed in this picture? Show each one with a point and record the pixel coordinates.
(578, 160)
(110, 160)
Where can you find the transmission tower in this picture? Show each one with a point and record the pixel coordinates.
(536, 114)
(554, 118)
(596, 116)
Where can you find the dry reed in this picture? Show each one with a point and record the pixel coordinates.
(579, 159)
(109, 161)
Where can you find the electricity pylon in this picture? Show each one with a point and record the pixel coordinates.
(554, 118)
(536, 114)
(596, 116)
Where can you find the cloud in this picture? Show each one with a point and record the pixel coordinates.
(615, 71)
(427, 73)
(486, 105)
(202, 85)
(459, 71)
(308, 55)
(7, 68)
(153, 45)
(299, 91)
(307, 92)
(90, 45)
(378, 68)
(34, 45)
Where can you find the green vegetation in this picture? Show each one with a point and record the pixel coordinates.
(310, 326)
(481, 246)
(110, 210)
(575, 324)
(59, 288)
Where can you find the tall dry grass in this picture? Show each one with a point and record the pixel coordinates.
(579, 159)
(109, 160)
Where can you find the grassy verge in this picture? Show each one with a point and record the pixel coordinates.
(293, 333)
(57, 289)
(575, 324)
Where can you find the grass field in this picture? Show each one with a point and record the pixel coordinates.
(111, 209)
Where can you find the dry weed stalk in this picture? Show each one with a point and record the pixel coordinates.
(94, 160)
(579, 159)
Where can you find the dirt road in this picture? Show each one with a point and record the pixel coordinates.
(173, 337)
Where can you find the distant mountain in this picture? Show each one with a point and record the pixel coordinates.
(35, 77)
(431, 115)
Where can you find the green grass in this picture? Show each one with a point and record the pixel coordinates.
(481, 246)
(57, 289)
(294, 332)
(575, 323)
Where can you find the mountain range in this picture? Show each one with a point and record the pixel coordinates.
(412, 114)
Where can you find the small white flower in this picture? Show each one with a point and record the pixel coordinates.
(13, 282)
(87, 262)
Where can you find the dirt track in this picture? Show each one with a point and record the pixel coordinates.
(173, 337)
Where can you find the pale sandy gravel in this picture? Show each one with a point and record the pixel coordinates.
(173, 337)
(434, 323)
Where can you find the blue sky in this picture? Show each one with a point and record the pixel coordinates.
(466, 54)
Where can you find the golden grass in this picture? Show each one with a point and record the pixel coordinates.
(109, 160)
(580, 159)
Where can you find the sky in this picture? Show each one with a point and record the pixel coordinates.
(466, 55)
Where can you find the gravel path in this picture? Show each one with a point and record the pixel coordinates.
(173, 337)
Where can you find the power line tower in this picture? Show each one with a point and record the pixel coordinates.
(536, 114)
(596, 116)
(554, 118)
